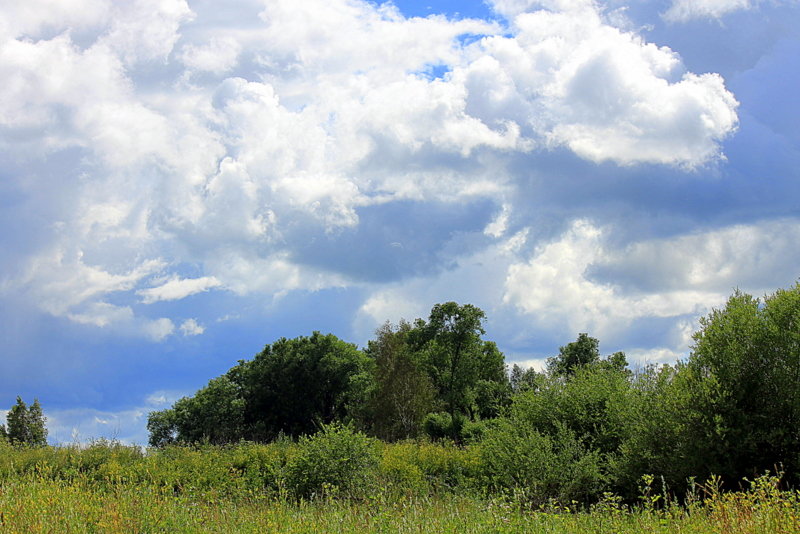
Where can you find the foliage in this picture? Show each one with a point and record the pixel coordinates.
(521, 379)
(743, 386)
(290, 387)
(334, 460)
(26, 424)
(35, 505)
(403, 393)
(586, 427)
(572, 356)
(593, 405)
(541, 466)
(460, 364)
(532, 482)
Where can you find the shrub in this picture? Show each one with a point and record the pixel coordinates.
(399, 468)
(336, 460)
(262, 466)
(442, 425)
(539, 467)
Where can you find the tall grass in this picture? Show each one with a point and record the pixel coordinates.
(409, 487)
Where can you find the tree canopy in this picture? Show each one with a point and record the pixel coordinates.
(26, 424)
(290, 387)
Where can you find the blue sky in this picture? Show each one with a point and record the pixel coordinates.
(185, 181)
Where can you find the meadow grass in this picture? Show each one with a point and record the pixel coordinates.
(37, 504)
(416, 487)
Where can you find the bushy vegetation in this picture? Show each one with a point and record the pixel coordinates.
(411, 487)
(427, 414)
(585, 426)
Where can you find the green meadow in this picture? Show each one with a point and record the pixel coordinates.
(404, 487)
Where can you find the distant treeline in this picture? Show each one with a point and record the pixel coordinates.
(584, 426)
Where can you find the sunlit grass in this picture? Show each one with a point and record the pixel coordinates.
(42, 505)
(418, 488)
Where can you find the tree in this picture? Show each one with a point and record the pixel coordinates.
(456, 359)
(522, 379)
(582, 352)
(403, 393)
(162, 427)
(26, 425)
(744, 380)
(293, 386)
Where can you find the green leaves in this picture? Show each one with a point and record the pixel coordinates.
(291, 387)
(26, 425)
(746, 363)
(334, 460)
(572, 356)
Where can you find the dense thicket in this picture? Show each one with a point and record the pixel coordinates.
(584, 426)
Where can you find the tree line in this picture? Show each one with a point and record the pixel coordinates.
(585, 425)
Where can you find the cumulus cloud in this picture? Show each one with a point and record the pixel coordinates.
(603, 92)
(190, 327)
(218, 56)
(554, 287)
(580, 281)
(740, 255)
(244, 150)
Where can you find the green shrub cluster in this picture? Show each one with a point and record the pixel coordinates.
(337, 461)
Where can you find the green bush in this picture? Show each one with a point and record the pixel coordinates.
(539, 467)
(334, 461)
(442, 425)
(399, 468)
(263, 466)
(447, 466)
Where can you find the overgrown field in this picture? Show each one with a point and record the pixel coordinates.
(330, 484)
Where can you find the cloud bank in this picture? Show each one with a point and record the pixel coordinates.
(255, 140)
(182, 180)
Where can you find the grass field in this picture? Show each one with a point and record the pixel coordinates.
(44, 505)
(60, 506)
(413, 488)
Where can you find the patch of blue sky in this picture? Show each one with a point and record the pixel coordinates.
(451, 8)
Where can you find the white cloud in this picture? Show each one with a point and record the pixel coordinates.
(190, 327)
(684, 10)
(234, 150)
(218, 56)
(554, 288)
(641, 357)
(162, 398)
(604, 93)
(122, 321)
(663, 278)
(62, 280)
(741, 255)
(31, 17)
(178, 288)
(145, 30)
(475, 278)
(159, 329)
(129, 426)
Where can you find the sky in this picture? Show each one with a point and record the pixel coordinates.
(185, 181)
